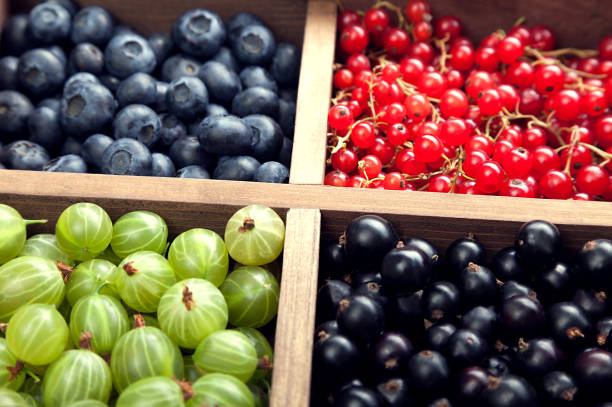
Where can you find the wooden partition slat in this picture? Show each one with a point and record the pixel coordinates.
(308, 163)
(296, 311)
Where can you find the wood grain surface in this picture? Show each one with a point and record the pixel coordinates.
(308, 163)
(296, 312)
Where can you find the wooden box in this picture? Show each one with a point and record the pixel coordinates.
(313, 211)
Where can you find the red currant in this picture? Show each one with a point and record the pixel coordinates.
(480, 143)
(383, 150)
(518, 162)
(448, 25)
(453, 103)
(394, 181)
(520, 74)
(530, 101)
(522, 33)
(605, 48)
(544, 159)
(423, 31)
(473, 159)
(477, 82)
(397, 134)
(548, 79)
(391, 72)
(462, 57)
(455, 132)
(594, 102)
(542, 37)
(369, 166)
(428, 148)
(588, 65)
(363, 135)
(584, 135)
(344, 160)
(440, 183)
(394, 113)
(580, 157)
(433, 84)
(358, 63)
(513, 135)
(411, 70)
(486, 58)
(517, 188)
(428, 128)
(336, 178)
(397, 42)
(406, 162)
(418, 106)
(581, 196)
(360, 96)
(348, 18)
(603, 131)
(510, 97)
(489, 177)
(490, 102)
(502, 147)
(556, 184)
(593, 180)
(534, 137)
(566, 104)
(417, 11)
(340, 117)
(491, 41)
(376, 20)
(454, 79)
(468, 188)
(343, 78)
(354, 39)
(423, 51)
(356, 181)
(509, 50)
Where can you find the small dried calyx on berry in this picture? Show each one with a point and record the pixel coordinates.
(3, 327)
(188, 298)
(129, 268)
(15, 370)
(247, 225)
(185, 388)
(574, 333)
(264, 363)
(85, 341)
(65, 269)
(473, 267)
(139, 321)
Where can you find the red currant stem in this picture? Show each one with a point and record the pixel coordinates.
(375, 54)
(605, 162)
(400, 16)
(606, 156)
(369, 181)
(422, 177)
(424, 187)
(341, 142)
(580, 53)
(536, 54)
(520, 21)
(361, 166)
(574, 138)
(340, 6)
(500, 33)
(341, 94)
(441, 44)
(581, 86)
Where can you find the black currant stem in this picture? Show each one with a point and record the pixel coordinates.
(34, 221)
(541, 59)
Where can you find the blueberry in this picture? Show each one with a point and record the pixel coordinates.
(44, 129)
(111, 82)
(161, 44)
(226, 135)
(58, 52)
(72, 146)
(238, 22)
(67, 4)
(227, 58)
(255, 45)
(49, 23)
(199, 33)
(171, 129)
(24, 155)
(222, 83)
(92, 24)
(236, 168)
(15, 38)
(127, 156)
(193, 171)
(178, 66)
(77, 78)
(86, 109)
(268, 138)
(8, 73)
(252, 76)
(285, 153)
(137, 122)
(14, 111)
(138, 88)
(187, 98)
(162, 166)
(286, 116)
(51, 103)
(289, 94)
(255, 100)
(215, 110)
(66, 163)
(40, 73)
(86, 57)
(272, 171)
(186, 151)
(161, 89)
(127, 54)
(93, 149)
(286, 64)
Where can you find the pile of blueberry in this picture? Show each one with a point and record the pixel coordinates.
(400, 325)
(81, 93)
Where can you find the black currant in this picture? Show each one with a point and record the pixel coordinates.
(332, 260)
(326, 329)
(368, 238)
(506, 266)
(537, 357)
(595, 263)
(361, 318)
(335, 361)
(513, 288)
(521, 317)
(441, 402)
(537, 243)
(477, 285)
(461, 252)
(437, 335)
(405, 270)
(569, 325)
(429, 373)
(508, 391)
(593, 372)
(593, 303)
(470, 384)
(465, 348)
(406, 311)
(360, 277)
(396, 393)
(603, 328)
(554, 283)
(329, 296)
(558, 389)
(482, 320)
(430, 251)
(498, 366)
(374, 291)
(391, 355)
(441, 300)
(357, 397)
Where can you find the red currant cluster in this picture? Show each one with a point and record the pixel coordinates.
(418, 107)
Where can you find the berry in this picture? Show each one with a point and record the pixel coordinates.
(489, 177)
(555, 184)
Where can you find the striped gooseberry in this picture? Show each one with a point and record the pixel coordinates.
(12, 375)
(45, 245)
(191, 310)
(37, 334)
(13, 228)
(142, 352)
(192, 373)
(142, 278)
(199, 253)
(218, 389)
(139, 231)
(78, 374)
(100, 317)
(156, 391)
(9, 397)
(30, 279)
(88, 276)
(227, 351)
(87, 403)
(265, 355)
(254, 235)
(83, 231)
(252, 295)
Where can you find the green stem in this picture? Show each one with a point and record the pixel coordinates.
(31, 222)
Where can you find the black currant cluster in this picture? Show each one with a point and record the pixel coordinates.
(401, 326)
